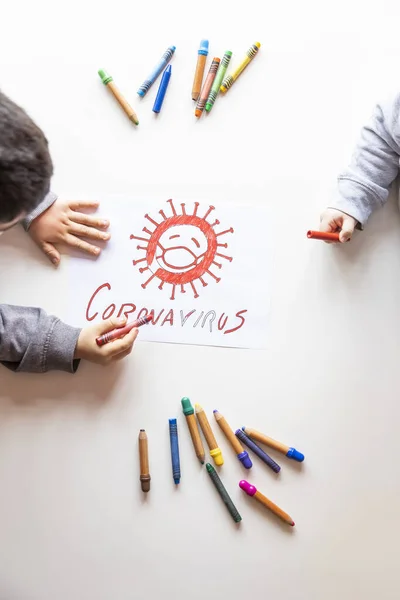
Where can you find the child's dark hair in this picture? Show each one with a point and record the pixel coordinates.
(25, 163)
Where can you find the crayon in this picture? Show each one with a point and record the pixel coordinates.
(166, 57)
(201, 63)
(236, 445)
(162, 90)
(323, 235)
(264, 439)
(144, 461)
(257, 450)
(188, 411)
(230, 79)
(121, 331)
(218, 80)
(207, 86)
(173, 438)
(233, 511)
(215, 452)
(252, 491)
(108, 81)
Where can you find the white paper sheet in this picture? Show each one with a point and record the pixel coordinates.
(200, 268)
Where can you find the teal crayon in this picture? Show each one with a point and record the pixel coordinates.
(218, 80)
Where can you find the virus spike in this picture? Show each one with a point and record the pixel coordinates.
(224, 256)
(222, 245)
(183, 208)
(151, 220)
(196, 206)
(216, 222)
(217, 264)
(135, 237)
(208, 212)
(194, 290)
(217, 279)
(135, 262)
(162, 213)
(144, 285)
(147, 231)
(183, 291)
(141, 247)
(204, 284)
(160, 287)
(230, 230)
(172, 207)
(143, 269)
(173, 292)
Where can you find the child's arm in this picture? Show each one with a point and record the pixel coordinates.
(364, 185)
(31, 340)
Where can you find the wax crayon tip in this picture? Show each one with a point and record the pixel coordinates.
(177, 481)
(104, 76)
(257, 44)
(245, 460)
(203, 47)
(187, 407)
(197, 113)
(215, 410)
(292, 523)
(173, 48)
(217, 456)
(247, 487)
(295, 455)
(141, 93)
(168, 69)
(209, 468)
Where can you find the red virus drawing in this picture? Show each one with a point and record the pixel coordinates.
(181, 249)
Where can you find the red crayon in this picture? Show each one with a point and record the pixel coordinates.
(323, 235)
(114, 334)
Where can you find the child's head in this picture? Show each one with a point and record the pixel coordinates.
(25, 163)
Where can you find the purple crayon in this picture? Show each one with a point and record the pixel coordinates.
(257, 450)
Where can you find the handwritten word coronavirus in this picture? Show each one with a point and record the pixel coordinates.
(99, 305)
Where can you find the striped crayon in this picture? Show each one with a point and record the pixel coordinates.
(173, 438)
(283, 448)
(166, 57)
(230, 79)
(207, 87)
(233, 511)
(218, 80)
(233, 440)
(257, 450)
(251, 490)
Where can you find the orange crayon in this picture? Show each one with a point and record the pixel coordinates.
(323, 235)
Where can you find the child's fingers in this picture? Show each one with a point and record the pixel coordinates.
(110, 324)
(328, 224)
(85, 204)
(75, 242)
(347, 229)
(122, 345)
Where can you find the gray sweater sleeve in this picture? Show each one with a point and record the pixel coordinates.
(364, 185)
(49, 199)
(31, 340)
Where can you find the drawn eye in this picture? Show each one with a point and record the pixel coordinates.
(197, 272)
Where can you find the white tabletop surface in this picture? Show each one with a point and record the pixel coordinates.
(74, 524)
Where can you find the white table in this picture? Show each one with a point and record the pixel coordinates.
(73, 522)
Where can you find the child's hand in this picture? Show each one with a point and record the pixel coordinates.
(88, 349)
(62, 223)
(333, 220)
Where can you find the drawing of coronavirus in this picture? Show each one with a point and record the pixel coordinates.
(181, 249)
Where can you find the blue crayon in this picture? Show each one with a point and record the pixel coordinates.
(173, 438)
(162, 89)
(166, 57)
(257, 450)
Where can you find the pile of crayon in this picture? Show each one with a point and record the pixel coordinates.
(204, 95)
(197, 420)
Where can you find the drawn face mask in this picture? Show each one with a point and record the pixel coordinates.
(181, 248)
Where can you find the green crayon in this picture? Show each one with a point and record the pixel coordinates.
(223, 493)
(218, 80)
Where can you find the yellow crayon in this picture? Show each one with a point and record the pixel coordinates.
(230, 79)
(215, 452)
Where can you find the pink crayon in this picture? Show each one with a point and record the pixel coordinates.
(251, 490)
